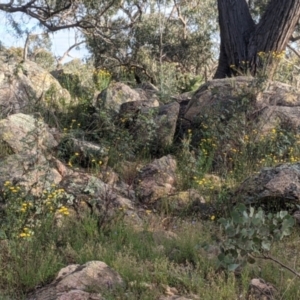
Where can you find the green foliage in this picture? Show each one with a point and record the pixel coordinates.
(158, 47)
(72, 83)
(77, 77)
(118, 142)
(5, 150)
(101, 79)
(171, 45)
(15, 52)
(250, 232)
(45, 59)
(227, 140)
(23, 213)
(194, 162)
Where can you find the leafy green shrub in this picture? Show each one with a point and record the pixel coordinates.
(251, 232)
(195, 162)
(228, 141)
(72, 83)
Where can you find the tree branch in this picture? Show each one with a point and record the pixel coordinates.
(279, 263)
(51, 17)
(60, 60)
(291, 48)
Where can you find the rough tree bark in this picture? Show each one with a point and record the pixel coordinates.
(242, 39)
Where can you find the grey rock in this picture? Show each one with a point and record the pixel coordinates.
(279, 183)
(73, 281)
(25, 84)
(156, 180)
(261, 290)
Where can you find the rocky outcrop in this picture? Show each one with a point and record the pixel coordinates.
(166, 121)
(80, 282)
(25, 133)
(280, 184)
(189, 200)
(26, 159)
(95, 192)
(25, 85)
(150, 126)
(139, 110)
(269, 104)
(118, 93)
(156, 180)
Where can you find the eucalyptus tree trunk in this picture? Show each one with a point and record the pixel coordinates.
(248, 47)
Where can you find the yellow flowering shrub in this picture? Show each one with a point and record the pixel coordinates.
(24, 212)
(101, 79)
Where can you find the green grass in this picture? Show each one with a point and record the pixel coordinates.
(146, 264)
(150, 262)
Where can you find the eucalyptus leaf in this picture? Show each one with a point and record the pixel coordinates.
(288, 221)
(256, 221)
(233, 267)
(244, 232)
(286, 232)
(223, 221)
(230, 231)
(236, 217)
(265, 245)
(241, 207)
(282, 214)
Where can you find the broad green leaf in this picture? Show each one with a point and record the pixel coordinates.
(230, 231)
(265, 245)
(249, 245)
(222, 221)
(241, 207)
(260, 214)
(244, 232)
(283, 213)
(264, 230)
(234, 215)
(288, 221)
(256, 221)
(221, 257)
(286, 232)
(233, 267)
(245, 215)
(251, 231)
